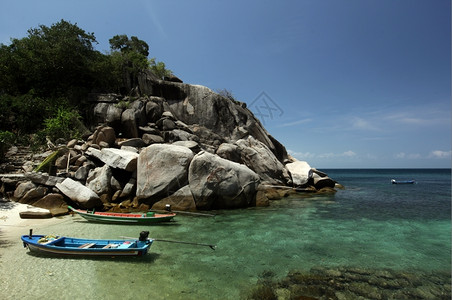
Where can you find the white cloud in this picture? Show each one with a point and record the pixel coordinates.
(328, 155)
(325, 155)
(348, 153)
(295, 123)
(433, 154)
(403, 155)
(440, 154)
(433, 114)
(400, 155)
(301, 155)
(361, 124)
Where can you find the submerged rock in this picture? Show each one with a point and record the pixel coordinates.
(353, 283)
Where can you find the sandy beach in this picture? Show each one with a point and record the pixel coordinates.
(12, 225)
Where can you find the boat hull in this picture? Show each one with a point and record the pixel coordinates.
(393, 181)
(86, 247)
(120, 218)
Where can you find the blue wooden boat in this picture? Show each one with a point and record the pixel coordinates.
(393, 181)
(61, 245)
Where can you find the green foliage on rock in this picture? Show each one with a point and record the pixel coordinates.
(64, 124)
(6, 141)
(159, 68)
(123, 104)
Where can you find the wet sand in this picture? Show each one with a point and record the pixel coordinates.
(12, 226)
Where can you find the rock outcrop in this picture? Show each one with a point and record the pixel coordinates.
(178, 144)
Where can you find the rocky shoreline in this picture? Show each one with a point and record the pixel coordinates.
(173, 143)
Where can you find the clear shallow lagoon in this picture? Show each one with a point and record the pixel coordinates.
(370, 225)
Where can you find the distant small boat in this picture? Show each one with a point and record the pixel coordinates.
(393, 181)
(87, 247)
(123, 218)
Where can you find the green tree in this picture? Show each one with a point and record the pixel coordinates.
(129, 56)
(126, 45)
(159, 69)
(52, 61)
(65, 124)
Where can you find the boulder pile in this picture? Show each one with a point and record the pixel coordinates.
(178, 144)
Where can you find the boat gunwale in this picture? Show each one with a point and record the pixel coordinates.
(50, 247)
(122, 218)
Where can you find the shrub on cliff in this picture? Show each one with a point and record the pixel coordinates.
(6, 140)
(64, 124)
(159, 69)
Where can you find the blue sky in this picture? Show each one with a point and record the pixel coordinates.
(340, 83)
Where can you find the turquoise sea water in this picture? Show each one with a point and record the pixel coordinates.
(371, 225)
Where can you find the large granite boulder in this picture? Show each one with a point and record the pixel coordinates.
(79, 193)
(218, 183)
(259, 158)
(154, 109)
(115, 158)
(132, 118)
(230, 152)
(51, 201)
(108, 113)
(104, 134)
(162, 170)
(33, 195)
(129, 127)
(99, 180)
(43, 178)
(301, 172)
(321, 182)
(129, 188)
(23, 188)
